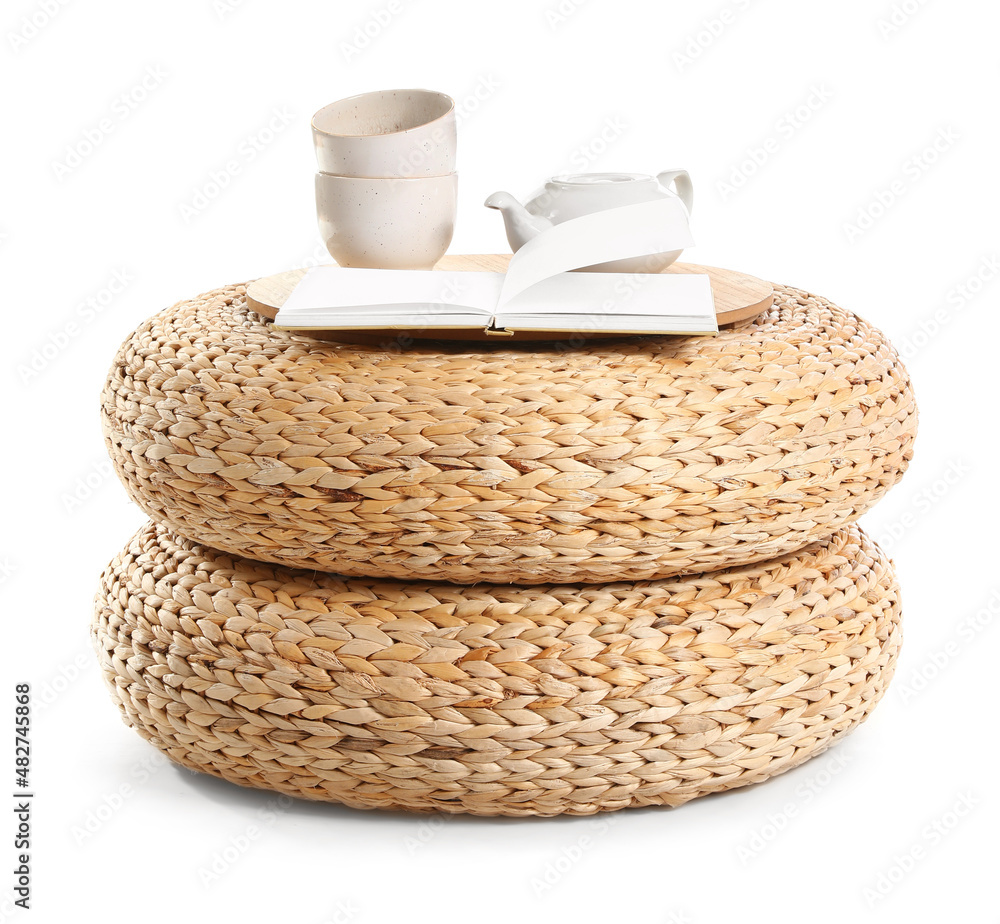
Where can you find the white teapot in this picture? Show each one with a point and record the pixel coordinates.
(566, 197)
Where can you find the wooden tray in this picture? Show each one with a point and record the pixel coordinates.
(737, 298)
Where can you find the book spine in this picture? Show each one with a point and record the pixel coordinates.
(491, 329)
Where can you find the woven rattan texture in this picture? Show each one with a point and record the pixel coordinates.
(495, 700)
(627, 460)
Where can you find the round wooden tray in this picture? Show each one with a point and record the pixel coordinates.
(737, 297)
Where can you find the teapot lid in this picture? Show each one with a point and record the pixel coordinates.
(599, 179)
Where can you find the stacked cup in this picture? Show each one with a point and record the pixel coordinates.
(386, 190)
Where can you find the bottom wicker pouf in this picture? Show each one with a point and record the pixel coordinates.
(495, 700)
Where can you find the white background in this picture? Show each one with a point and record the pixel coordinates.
(838, 112)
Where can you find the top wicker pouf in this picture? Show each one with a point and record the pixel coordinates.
(625, 460)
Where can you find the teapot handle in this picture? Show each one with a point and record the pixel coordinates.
(682, 183)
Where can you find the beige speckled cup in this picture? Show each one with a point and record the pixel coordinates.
(387, 222)
(405, 133)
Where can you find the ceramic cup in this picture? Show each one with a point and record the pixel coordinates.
(388, 222)
(404, 133)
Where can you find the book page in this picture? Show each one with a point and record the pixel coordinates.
(637, 230)
(354, 297)
(595, 302)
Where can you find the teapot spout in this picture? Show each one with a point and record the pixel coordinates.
(520, 224)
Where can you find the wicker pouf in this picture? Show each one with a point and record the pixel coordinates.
(495, 700)
(625, 460)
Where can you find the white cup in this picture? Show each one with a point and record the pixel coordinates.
(388, 222)
(387, 133)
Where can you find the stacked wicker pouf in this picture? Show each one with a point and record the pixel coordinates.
(502, 581)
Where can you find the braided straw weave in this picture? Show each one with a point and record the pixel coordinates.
(628, 460)
(494, 700)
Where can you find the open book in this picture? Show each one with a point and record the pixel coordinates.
(537, 293)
